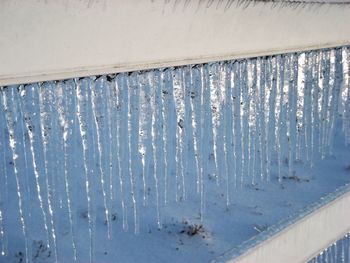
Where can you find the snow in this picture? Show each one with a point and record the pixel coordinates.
(177, 164)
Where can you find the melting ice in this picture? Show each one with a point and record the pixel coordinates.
(148, 138)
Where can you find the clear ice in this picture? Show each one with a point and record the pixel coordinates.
(143, 139)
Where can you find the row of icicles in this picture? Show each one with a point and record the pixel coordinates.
(167, 131)
(339, 251)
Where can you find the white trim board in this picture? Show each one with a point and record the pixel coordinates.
(59, 39)
(302, 240)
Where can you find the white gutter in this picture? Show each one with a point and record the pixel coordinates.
(57, 39)
(302, 237)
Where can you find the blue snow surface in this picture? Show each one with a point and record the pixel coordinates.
(170, 165)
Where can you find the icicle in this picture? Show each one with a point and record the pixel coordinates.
(314, 108)
(134, 158)
(22, 137)
(261, 117)
(338, 82)
(145, 129)
(272, 113)
(267, 111)
(111, 143)
(170, 121)
(165, 111)
(342, 255)
(253, 123)
(97, 102)
(236, 96)
(325, 75)
(307, 115)
(228, 123)
(208, 160)
(122, 124)
(50, 186)
(224, 109)
(187, 125)
(199, 130)
(343, 90)
(3, 193)
(221, 140)
(329, 102)
(295, 112)
(281, 126)
(180, 133)
(201, 113)
(244, 107)
(23, 148)
(28, 99)
(194, 95)
(189, 157)
(18, 164)
(215, 105)
(296, 128)
(196, 98)
(3, 184)
(82, 87)
(54, 136)
(157, 137)
(66, 106)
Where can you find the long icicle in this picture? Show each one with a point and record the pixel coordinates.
(98, 116)
(236, 96)
(281, 117)
(244, 106)
(253, 121)
(170, 127)
(307, 115)
(121, 144)
(194, 95)
(325, 98)
(110, 134)
(228, 122)
(180, 134)
(10, 123)
(82, 100)
(3, 185)
(272, 113)
(28, 110)
(134, 171)
(208, 160)
(145, 137)
(338, 81)
(215, 108)
(261, 118)
(49, 187)
(314, 116)
(157, 136)
(196, 99)
(66, 106)
(295, 102)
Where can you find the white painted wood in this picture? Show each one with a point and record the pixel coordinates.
(56, 39)
(304, 239)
